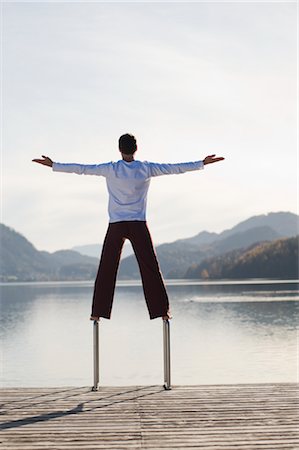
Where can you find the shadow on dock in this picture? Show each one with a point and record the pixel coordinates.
(218, 417)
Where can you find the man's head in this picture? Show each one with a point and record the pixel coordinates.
(127, 144)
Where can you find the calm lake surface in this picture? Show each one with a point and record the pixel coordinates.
(221, 332)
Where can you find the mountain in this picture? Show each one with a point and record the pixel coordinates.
(202, 238)
(176, 257)
(276, 259)
(243, 239)
(19, 257)
(284, 223)
(95, 250)
(21, 261)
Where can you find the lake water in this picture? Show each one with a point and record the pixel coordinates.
(221, 332)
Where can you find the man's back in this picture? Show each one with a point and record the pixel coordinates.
(128, 183)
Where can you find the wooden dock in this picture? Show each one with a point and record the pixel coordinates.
(221, 417)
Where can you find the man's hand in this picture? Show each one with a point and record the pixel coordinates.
(46, 161)
(211, 159)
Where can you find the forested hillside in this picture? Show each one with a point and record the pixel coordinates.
(253, 248)
(21, 261)
(278, 259)
(176, 257)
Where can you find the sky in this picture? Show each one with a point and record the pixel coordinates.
(187, 79)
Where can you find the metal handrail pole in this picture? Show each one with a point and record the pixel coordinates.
(164, 353)
(96, 365)
(166, 341)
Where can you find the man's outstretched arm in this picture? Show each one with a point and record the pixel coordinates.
(157, 169)
(79, 169)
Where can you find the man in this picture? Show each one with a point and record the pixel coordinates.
(127, 183)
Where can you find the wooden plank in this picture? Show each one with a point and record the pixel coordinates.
(218, 417)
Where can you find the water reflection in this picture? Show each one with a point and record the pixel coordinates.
(219, 334)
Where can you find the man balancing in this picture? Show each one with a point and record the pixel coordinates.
(127, 183)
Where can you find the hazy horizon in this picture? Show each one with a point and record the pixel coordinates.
(128, 250)
(188, 79)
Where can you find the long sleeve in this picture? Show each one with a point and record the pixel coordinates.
(157, 169)
(86, 169)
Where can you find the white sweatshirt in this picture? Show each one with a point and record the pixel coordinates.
(128, 183)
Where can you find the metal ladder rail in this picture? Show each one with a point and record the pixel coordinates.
(166, 354)
(96, 364)
(166, 341)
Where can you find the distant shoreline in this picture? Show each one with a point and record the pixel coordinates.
(169, 282)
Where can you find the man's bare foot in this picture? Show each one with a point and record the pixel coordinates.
(95, 318)
(167, 317)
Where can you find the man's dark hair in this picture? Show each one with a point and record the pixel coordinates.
(127, 144)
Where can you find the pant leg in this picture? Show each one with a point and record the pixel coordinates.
(106, 277)
(153, 285)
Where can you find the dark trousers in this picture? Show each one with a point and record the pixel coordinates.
(153, 286)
